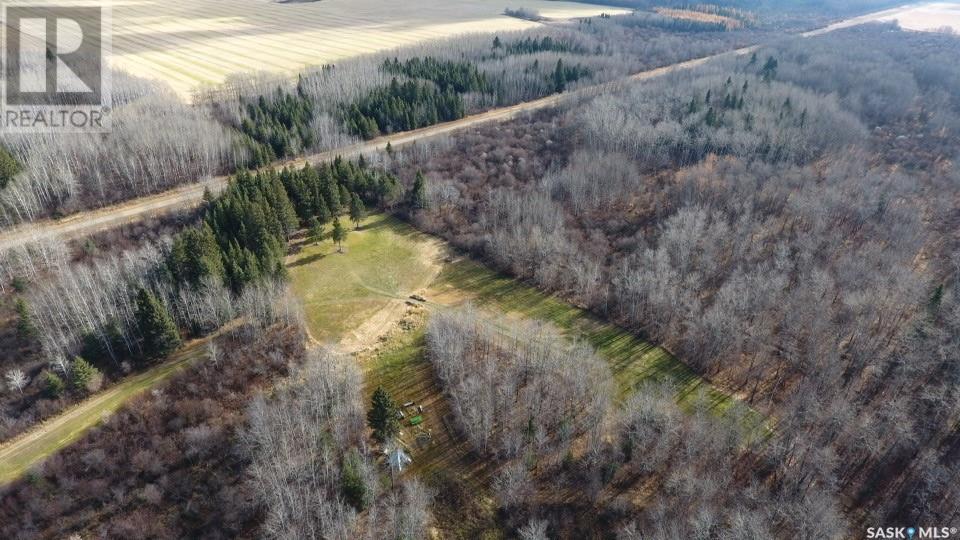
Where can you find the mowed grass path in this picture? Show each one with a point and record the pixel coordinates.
(18, 455)
(632, 360)
(381, 262)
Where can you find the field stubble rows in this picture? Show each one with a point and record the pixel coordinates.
(191, 44)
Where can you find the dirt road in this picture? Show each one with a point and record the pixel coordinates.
(90, 222)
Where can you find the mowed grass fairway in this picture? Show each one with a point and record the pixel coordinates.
(191, 43)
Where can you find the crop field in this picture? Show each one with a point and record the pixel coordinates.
(925, 17)
(935, 16)
(189, 43)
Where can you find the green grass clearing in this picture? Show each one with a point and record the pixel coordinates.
(383, 261)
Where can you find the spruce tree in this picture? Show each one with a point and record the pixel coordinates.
(160, 334)
(418, 194)
(382, 416)
(195, 256)
(559, 77)
(356, 210)
(81, 375)
(53, 385)
(316, 229)
(339, 234)
(26, 329)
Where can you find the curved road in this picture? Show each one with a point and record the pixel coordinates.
(93, 221)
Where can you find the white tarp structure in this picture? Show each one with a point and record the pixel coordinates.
(398, 459)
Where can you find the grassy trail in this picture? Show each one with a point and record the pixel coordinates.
(23, 452)
(632, 360)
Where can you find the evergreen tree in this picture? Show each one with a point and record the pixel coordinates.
(339, 234)
(208, 197)
(82, 373)
(354, 489)
(356, 210)
(496, 42)
(559, 79)
(769, 70)
(160, 334)
(382, 416)
(9, 167)
(53, 385)
(26, 329)
(194, 256)
(323, 213)
(316, 229)
(417, 197)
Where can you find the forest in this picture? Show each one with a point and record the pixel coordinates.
(783, 222)
(803, 260)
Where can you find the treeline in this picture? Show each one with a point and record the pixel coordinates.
(243, 238)
(402, 107)
(460, 77)
(530, 45)
(279, 127)
(679, 24)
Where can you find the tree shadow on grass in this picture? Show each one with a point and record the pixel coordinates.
(303, 261)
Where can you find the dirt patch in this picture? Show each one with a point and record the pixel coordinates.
(367, 334)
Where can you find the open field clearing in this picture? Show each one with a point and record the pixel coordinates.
(349, 296)
(922, 17)
(18, 455)
(189, 44)
(387, 261)
(929, 17)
